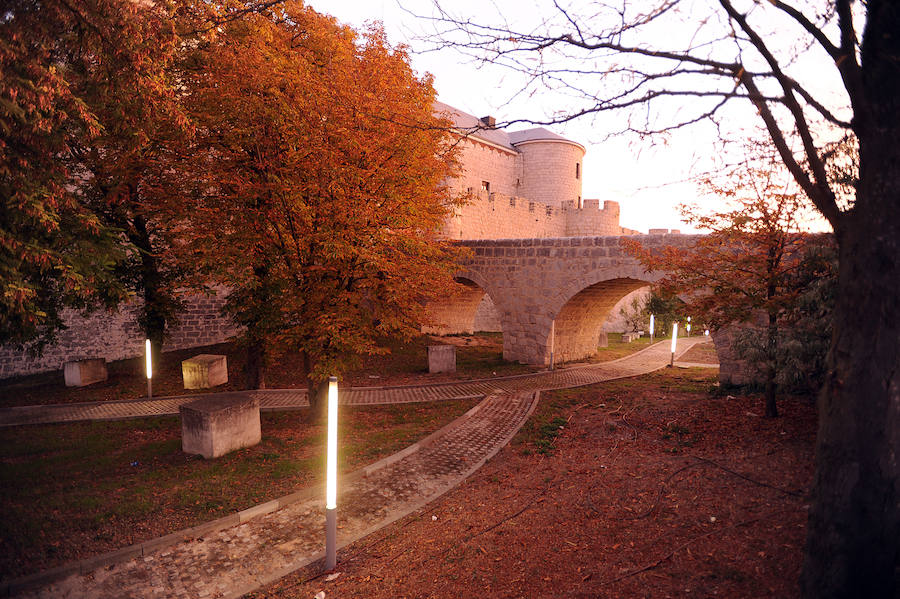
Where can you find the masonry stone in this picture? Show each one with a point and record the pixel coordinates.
(79, 373)
(204, 371)
(214, 426)
(441, 358)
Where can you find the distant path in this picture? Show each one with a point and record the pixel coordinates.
(232, 556)
(641, 362)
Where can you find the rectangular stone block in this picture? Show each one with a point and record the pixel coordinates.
(204, 371)
(214, 426)
(441, 358)
(84, 372)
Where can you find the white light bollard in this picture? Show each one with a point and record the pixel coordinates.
(651, 329)
(331, 478)
(149, 363)
(688, 327)
(674, 342)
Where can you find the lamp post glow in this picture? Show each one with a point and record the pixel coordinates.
(651, 329)
(331, 478)
(674, 342)
(688, 327)
(149, 361)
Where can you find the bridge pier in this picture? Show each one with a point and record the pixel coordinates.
(572, 281)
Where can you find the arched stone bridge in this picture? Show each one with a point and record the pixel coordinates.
(552, 295)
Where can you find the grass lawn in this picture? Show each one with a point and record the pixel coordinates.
(68, 491)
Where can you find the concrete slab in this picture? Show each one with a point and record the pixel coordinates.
(204, 371)
(79, 373)
(214, 426)
(441, 358)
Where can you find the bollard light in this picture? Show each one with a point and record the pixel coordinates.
(674, 342)
(331, 478)
(149, 361)
(706, 332)
(651, 329)
(688, 327)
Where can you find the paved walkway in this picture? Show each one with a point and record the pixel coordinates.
(235, 555)
(641, 362)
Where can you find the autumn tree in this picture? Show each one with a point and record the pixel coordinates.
(810, 73)
(747, 265)
(93, 114)
(320, 174)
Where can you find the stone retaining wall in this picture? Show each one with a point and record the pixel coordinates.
(116, 336)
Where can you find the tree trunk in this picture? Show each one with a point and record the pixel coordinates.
(853, 534)
(255, 368)
(317, 392)
(153, 317)
(771, 368)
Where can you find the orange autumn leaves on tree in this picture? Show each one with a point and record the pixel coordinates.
(319, 172)
(746, 269)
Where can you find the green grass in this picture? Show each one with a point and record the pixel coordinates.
(102, 485)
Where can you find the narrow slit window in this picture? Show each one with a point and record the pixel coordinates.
(578, 170)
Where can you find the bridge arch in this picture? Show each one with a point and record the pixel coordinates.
(554, 294)
(456, 313)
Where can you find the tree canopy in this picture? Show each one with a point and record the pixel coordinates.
(319, 170)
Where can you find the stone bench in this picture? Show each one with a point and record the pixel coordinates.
(204, 371)
(214, 426)
(441, 358)
(629, 337)
(79, 373)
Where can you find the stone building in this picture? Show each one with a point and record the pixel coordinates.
(522, 184)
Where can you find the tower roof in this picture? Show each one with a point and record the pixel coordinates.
(479, 128)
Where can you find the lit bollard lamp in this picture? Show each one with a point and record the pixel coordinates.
(674, 343)
(651, 329)
(149, 362)
(331, 478)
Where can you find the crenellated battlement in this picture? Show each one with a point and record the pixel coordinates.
(501, 216)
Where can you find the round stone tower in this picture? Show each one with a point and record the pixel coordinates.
(551, 167)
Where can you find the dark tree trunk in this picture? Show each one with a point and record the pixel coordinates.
(153, 317)
(771, 366)
(317, 392)
(255, 367)
(853, 535)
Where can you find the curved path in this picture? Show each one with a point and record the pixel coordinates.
(641, 362)
(237, 554)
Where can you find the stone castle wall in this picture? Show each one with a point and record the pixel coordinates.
(482, 162)
(116, 336)
(551, 172)
(500, 216)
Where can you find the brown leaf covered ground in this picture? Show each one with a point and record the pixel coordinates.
(647, 487)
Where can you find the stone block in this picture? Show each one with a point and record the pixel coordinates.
(603, 340)
(79, 373)
(441, 358)
(204, 371)
(214, 426)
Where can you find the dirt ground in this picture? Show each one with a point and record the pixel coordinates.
(649, 487)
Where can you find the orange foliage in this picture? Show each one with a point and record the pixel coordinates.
(319, 179)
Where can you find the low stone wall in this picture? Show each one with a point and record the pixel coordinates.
(116, 336)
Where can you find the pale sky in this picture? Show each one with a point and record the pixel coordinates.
(648, 179)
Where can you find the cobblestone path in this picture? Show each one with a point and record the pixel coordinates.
(237, 554)
(641, 362)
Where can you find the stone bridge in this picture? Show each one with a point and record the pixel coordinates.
(552, 295)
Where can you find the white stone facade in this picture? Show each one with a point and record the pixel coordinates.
(522, 184)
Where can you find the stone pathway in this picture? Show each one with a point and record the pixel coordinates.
(235, 555)
(641, 362)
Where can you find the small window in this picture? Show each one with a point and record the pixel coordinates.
(485, 186)
(578, 170)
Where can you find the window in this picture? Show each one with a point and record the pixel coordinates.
(485, 186)
(578, 170)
